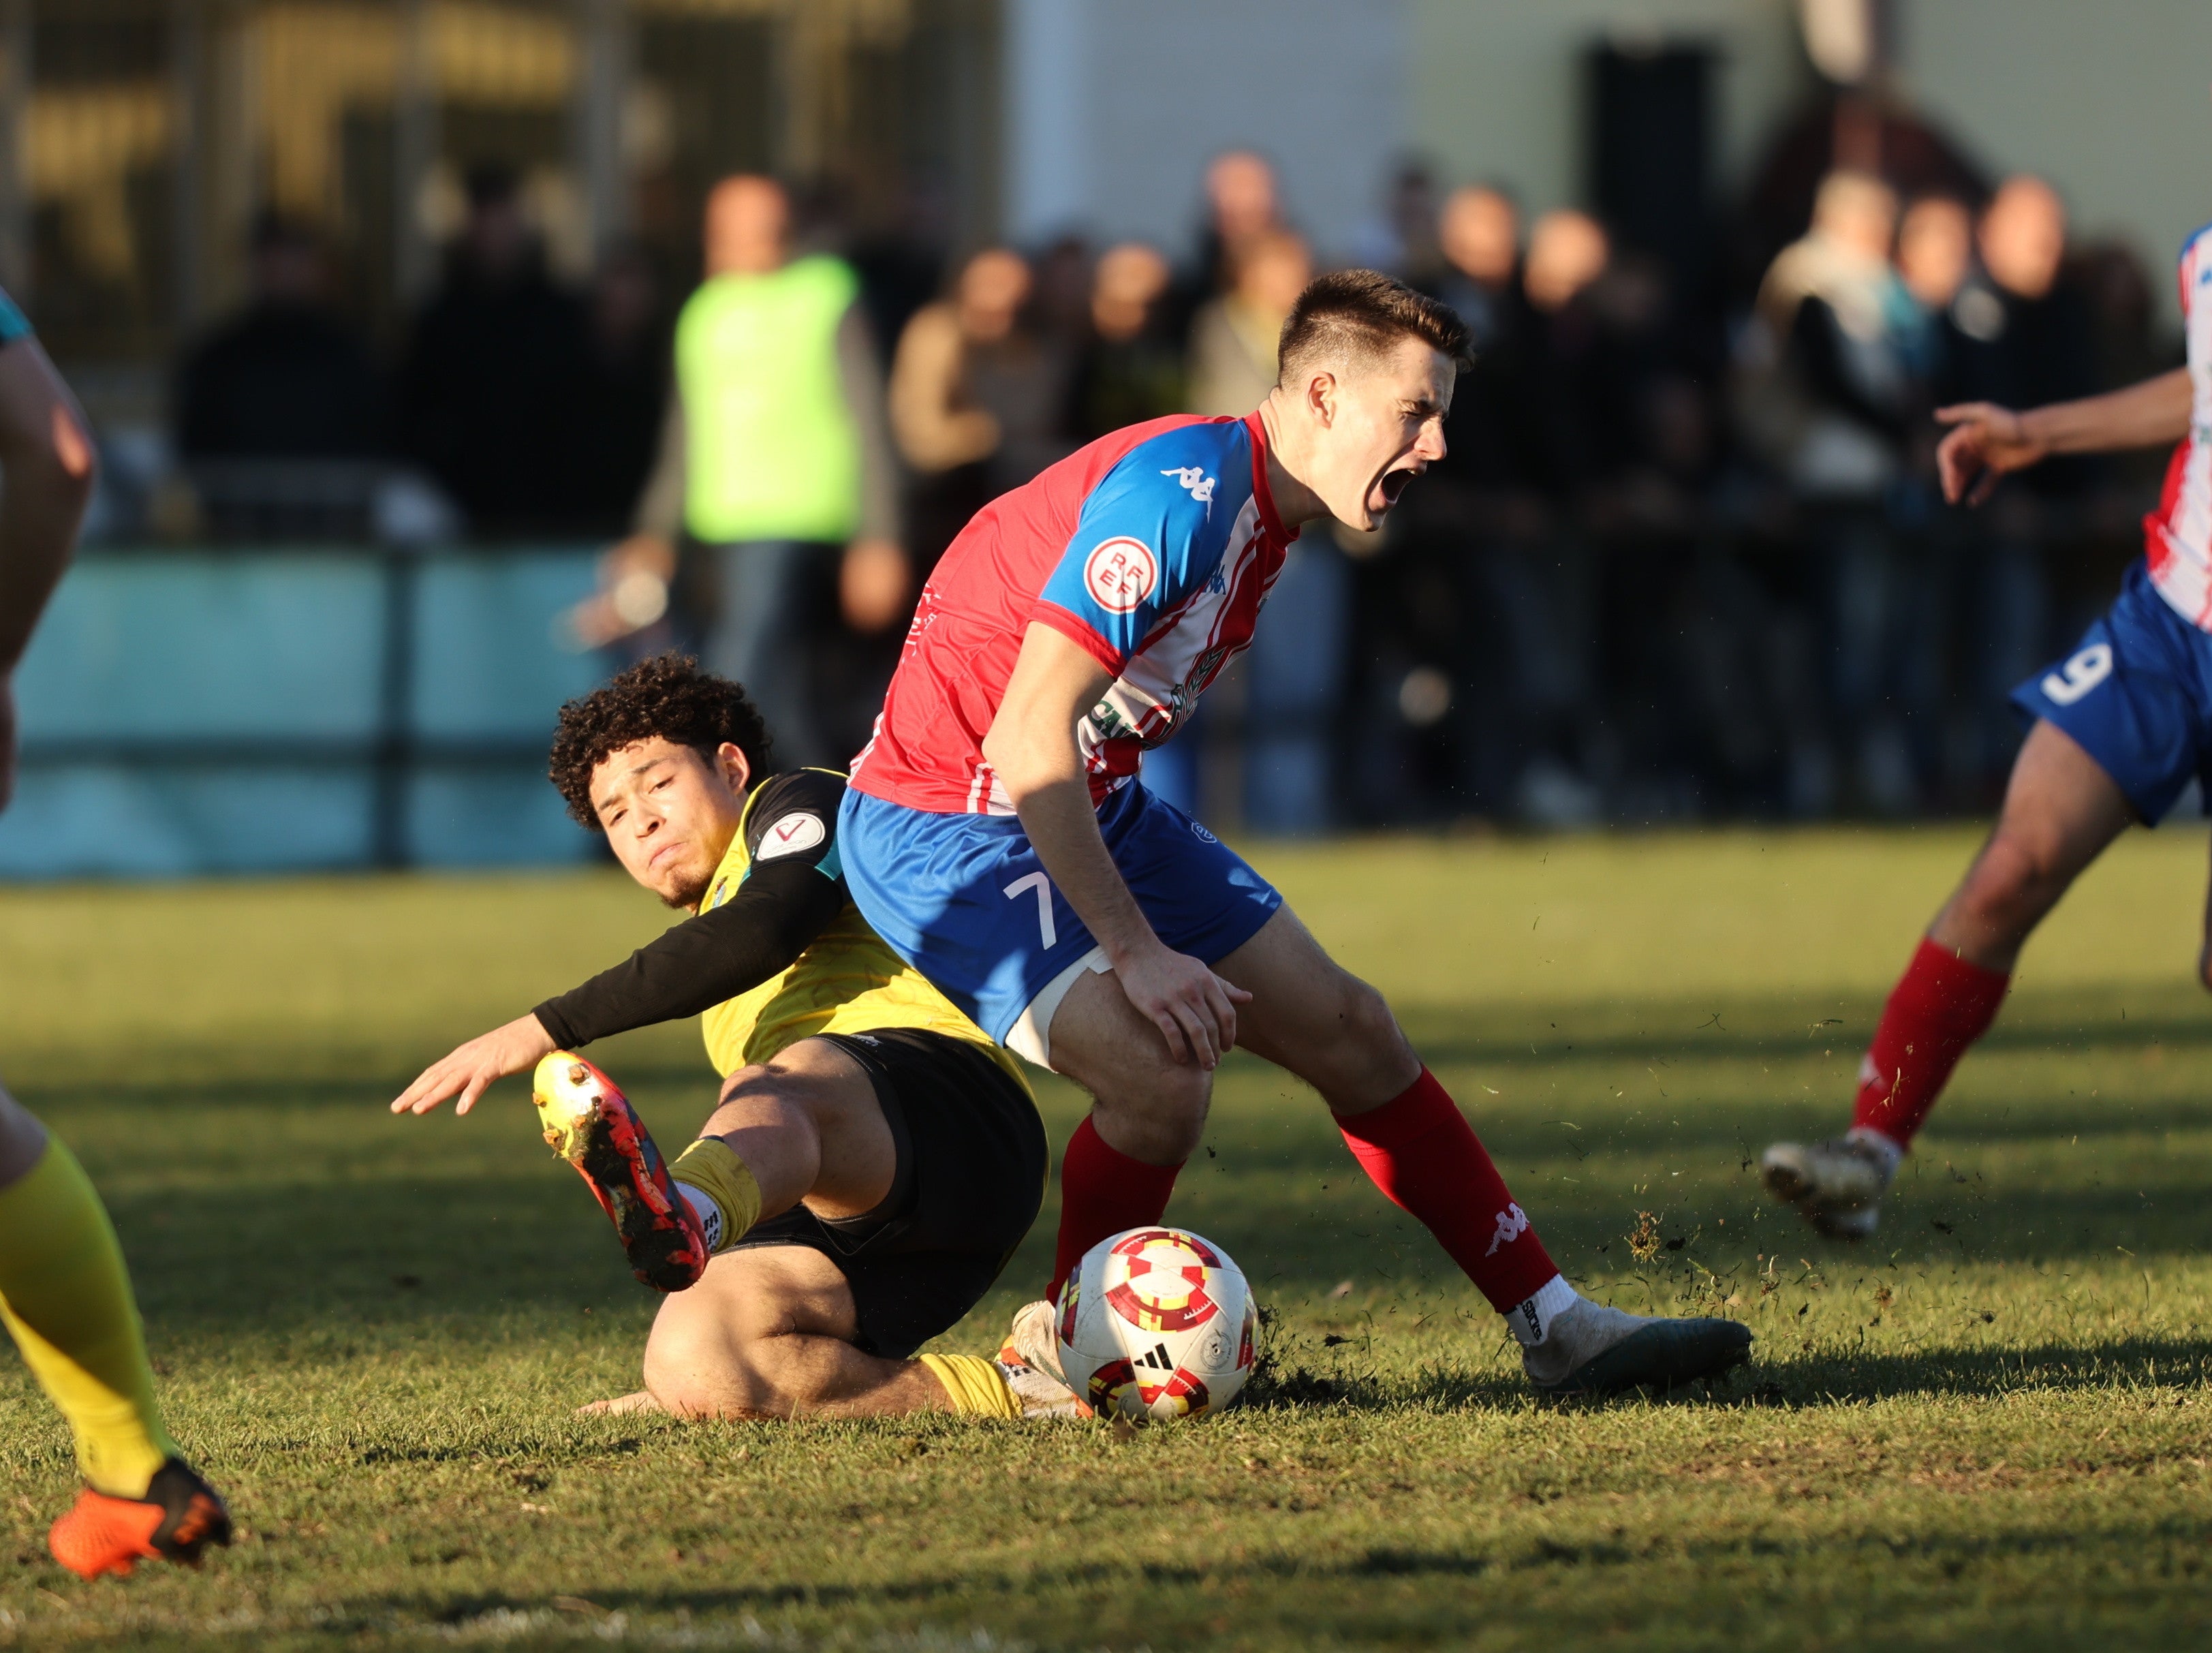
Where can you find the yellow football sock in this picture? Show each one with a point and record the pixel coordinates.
(711, 1167)
(977, 1386)
(66, 1300)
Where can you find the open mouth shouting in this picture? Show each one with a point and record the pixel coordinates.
(1385, 493)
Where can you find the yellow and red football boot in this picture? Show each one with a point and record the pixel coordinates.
(590, 1123)
(179, 1517)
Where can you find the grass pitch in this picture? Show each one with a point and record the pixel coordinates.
(1991, 1424)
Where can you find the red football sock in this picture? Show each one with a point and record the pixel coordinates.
(1102, 1191)
(1940, 1005)
(1422, 1153)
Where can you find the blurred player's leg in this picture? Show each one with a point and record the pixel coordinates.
(66, 1300)
(1310, 1016)
(2061, 809)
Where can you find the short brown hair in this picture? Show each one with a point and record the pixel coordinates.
(668, 697)
(1359, 315)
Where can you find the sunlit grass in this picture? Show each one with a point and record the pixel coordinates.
(1990, 1425)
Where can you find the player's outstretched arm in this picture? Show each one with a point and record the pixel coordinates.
(469, 1070)
(1031, 747)
(45, 459)
(1987, 442)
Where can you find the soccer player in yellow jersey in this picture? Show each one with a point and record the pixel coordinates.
(875, 1157)
(63, 1294)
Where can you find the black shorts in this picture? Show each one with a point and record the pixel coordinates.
(971, 1172)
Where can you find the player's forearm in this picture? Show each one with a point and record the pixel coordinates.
(725, 952)
(2148, 414)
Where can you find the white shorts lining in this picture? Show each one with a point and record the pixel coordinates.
(1030, 1037)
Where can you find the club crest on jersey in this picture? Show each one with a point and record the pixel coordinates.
(792, 833)
(1121, 573)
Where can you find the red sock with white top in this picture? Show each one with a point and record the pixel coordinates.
(1939, 1007)
(1421, 1152)
(1102, 1191)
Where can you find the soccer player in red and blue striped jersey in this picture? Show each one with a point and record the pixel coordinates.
(998, 836)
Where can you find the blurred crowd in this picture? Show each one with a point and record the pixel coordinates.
(1685, 558)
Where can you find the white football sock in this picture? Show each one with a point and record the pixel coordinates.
(708, 1213)
(1891, 1149)
(1531, 1319)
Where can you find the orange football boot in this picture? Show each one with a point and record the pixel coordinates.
(179, 1517)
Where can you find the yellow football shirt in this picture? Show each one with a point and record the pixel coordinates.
(848, 980)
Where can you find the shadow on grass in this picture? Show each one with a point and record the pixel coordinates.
(1156, 1584)
(1298, 1374)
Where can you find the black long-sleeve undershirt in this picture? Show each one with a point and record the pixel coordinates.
(784, 903)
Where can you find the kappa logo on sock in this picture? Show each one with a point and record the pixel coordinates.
(1512, 1224)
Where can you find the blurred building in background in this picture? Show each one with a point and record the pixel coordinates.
(379, 278)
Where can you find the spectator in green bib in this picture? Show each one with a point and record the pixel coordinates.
(775, 452)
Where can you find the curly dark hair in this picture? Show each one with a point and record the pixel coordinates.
(667, 695)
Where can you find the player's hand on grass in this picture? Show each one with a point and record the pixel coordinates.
(1195, 1010)
(1985, 441)
(515, 1049)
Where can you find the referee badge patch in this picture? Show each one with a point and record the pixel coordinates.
(799, 830)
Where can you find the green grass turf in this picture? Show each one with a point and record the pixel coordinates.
(1991, 1426)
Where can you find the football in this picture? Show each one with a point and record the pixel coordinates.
(1157, 1324)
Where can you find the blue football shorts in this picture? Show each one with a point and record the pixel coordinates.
(2137, 696)
(965, 900)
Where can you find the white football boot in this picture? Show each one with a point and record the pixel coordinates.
(1837, 1186)
(1589, 1349)
(1029, 1360)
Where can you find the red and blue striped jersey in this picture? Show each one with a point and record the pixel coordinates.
(2178, 536)
(1152, 549)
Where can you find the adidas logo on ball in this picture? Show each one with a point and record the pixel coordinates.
(1157, 1324)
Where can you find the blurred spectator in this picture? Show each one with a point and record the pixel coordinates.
(495, 373)
(1059, 307)
(1479, 239)
(1935, 250)
(1401, 241)
(1540, 684)
(1831, 401)
(1569, 404)
(1293, 674)
(626, 369)
(287, 378)
(774, 451)
(2017, 336)
(1240, 206)
(1232, 339)
(901, 262)
(2022, 339)
(1132, 369)
(1831, 394)
(976, 396)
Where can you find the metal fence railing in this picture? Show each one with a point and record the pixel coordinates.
(209, 711)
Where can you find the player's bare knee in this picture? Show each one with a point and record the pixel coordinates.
(1365, 1025)
(2015, 881)
(1161, 1120)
